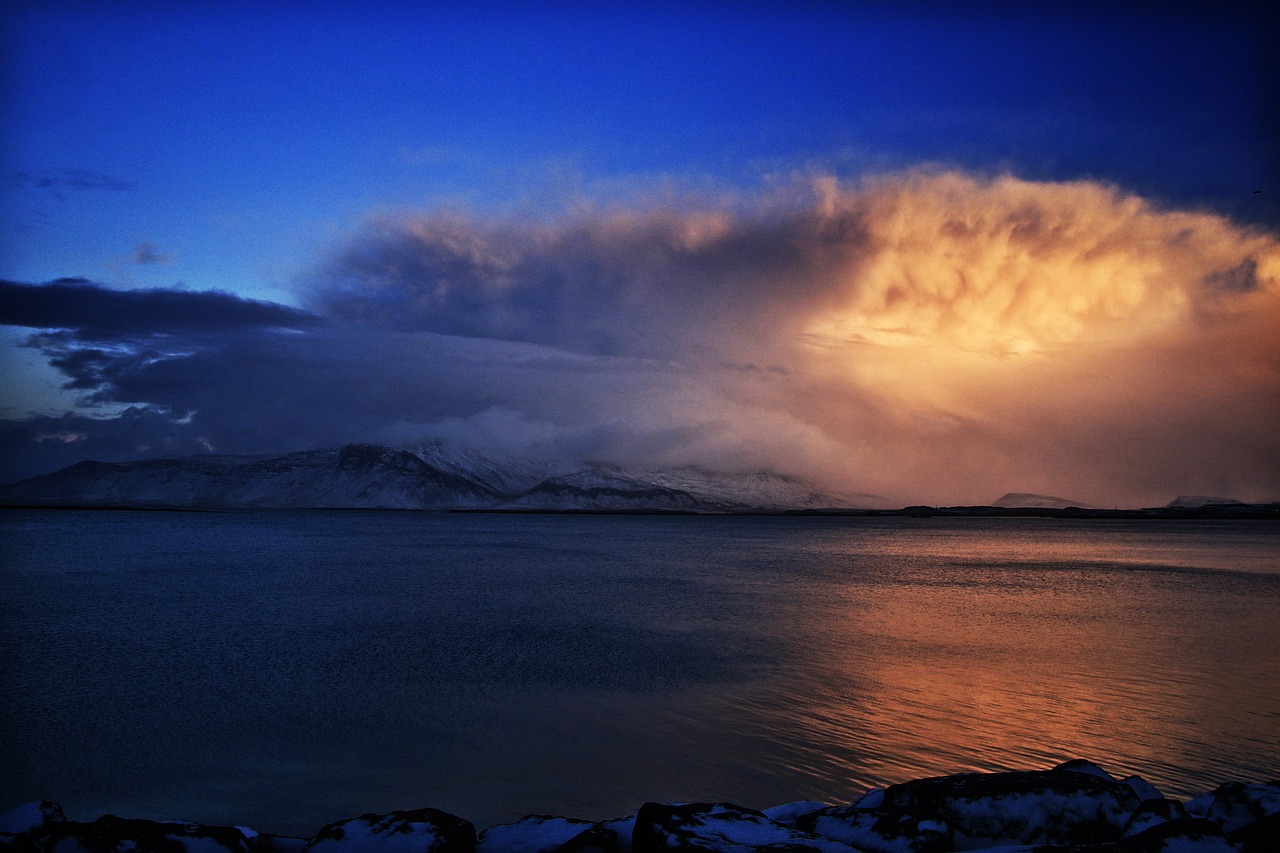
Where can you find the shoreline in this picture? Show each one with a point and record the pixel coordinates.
(1075, 806)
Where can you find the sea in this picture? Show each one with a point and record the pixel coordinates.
(285, 669)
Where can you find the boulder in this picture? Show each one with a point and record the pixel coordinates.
(1153, 813)
(1080, 765)
(1142, 788)
(724, 827)
(546, 834)
(413, 831)
(111, 834)
(970, 811)
(788, 813)
(1181, 835)
(1236, 805)
(30, 819)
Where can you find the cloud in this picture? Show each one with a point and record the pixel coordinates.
(148, 253)
(89, 311)
(76, 180)
(930, 336)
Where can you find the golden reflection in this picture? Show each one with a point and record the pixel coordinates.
(960, 662)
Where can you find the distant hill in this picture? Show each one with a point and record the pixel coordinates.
(1197, 501)
(434, 476)
(1025, 500)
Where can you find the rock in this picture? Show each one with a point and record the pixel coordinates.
(31, 818)
(787, 813)
(879, 831)
(622, 828)
(1079, 765)
(1152, 813)
(1236, 805)
(1261, 836)
(1142, 788)
(415, 831)
(974, 810)
(265, 842)
(1183, 835)
(722, 827)
(546, 834)
(111, 834)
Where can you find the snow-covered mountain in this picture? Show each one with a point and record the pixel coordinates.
(435, 476)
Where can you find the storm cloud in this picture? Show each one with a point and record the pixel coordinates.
(930, 336)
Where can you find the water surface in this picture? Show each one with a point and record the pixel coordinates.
(285, 669)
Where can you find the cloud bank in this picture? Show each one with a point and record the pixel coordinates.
(930, 336)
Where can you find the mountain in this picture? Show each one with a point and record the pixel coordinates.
(1198, 501)
(1024, 500)
(435, 476)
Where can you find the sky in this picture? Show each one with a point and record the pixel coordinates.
(931, 252)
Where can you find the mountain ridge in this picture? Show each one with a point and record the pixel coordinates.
(434, 476)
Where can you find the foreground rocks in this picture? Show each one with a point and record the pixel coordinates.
(1076, 806)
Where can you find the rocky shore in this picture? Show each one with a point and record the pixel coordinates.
(1076, 806)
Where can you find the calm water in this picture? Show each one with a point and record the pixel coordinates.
(285, 669)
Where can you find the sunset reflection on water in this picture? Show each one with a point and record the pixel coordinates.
(1015, 650)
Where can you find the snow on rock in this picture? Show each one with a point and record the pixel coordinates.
(787, 813)
(111, 834)
(721, 827)
(547, 834)
(1248, 814)
(1184, 835)
(1144, 789)
(1079, 765)
(623, 828)
(30, 818)
(1152, 813)
(415, 831)
(1076, 807)
(1234, 805)
(971, 811)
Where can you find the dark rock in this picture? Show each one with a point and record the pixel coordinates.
(879, 831)
(1080, 765)
(1236, 805)
(1144, 789)
(1183, 835)
(265, 842)
(788, 813)
(971, 810)
(111, 834)
(1152, 813)
(418, 830)
(30, 819)
(547, 834)
(722, 827)
(622, 828)
(1261, 836)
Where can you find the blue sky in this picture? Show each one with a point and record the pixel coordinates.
(237, 141)
(246, 149)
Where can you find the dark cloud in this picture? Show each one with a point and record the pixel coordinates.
(148, 253)
(92, 312)
(76, 180)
